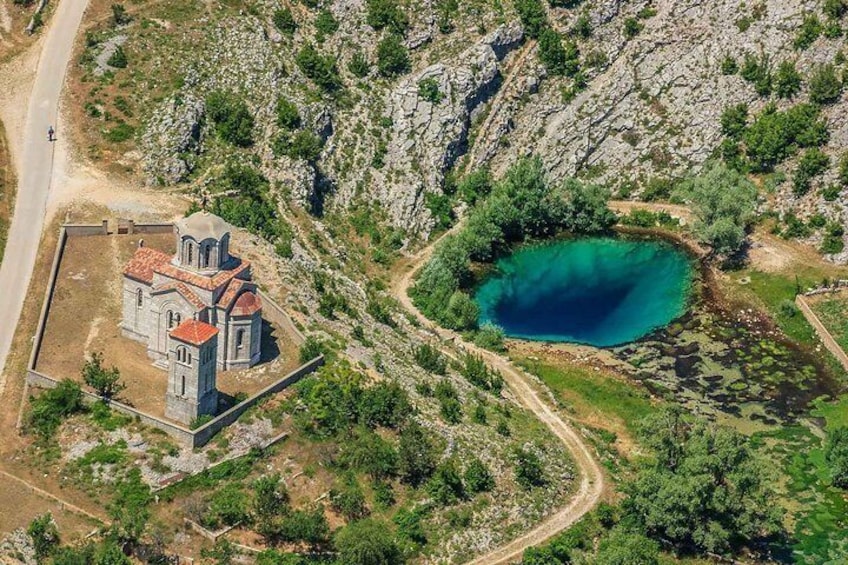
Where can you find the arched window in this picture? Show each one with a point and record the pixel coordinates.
(190, 254)
(207, 252)
(239, 339)
(170, 319)
(139, 298)
(182, 353)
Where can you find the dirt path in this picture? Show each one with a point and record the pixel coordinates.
(592, 480)
(35, 168)
(673, 210)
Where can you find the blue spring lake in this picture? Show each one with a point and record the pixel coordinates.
(596, 291)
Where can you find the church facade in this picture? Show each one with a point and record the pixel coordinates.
(196, 311)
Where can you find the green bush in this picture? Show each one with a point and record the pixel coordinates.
(119, 15)
(477, 477)
(284, 21)
(445, 486)
(392, 57)
(825, 86)
(757, 71)
(475, 186)
(386, 14)
(227, 506)
(359, 65)
(349, 501)
(809, 31)
(533, 16)
(326, 24)
(734, 120)
(450, 407)
(245, 200)
(417, 454)
(559, 59)
(836, 456)
(632, 27)
(288, 116)
(120, 133)
(490, 337)
(787, 80)
(729, 65)
(528, 468)
(303, 144)
(44, 535)
(812, 163)
(475, 370)
(428, 358)
(321, 69)
(833, 241)
(118, 59)
(310, 349)
(776, 135)
(53, 406)
(231, 117)
(428, 89)
(367, 542)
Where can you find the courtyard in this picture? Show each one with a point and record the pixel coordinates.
(85, 316)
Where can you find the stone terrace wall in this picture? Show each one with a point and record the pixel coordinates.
(185, 436)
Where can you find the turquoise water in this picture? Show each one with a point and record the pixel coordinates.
(598, 291)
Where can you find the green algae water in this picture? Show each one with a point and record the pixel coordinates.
(596, 291)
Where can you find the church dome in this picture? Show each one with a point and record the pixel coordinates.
(247, 304)
(203, 225)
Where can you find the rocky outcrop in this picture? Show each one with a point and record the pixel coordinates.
(172, 138)
(430, 132)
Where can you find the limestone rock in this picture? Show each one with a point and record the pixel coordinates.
(171, 138)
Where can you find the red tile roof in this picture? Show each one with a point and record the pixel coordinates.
(248, 303)
(231, 293)
(194, 332)
(144, 262)
(184, 290)
(201, 281)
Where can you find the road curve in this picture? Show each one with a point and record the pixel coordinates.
(36, 169)
(592, 480)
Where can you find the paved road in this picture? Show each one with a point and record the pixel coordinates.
(592, 480)
(36, 165)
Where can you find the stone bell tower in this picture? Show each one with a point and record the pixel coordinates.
(192, 365)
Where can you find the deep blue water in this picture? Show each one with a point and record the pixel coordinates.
(598, 291)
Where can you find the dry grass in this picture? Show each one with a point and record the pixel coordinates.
(20, 506)
(85, 315)
(7, 189)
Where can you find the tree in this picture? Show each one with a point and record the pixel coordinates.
(585, 207)
(119, 15)
(367, 542)
(53, 406)
(703, 490)
(106, 382)
(428, 358)
(232, 118)
(416, 455)
(621, 547)
(310, 349)
(533, 16)
(392, 57)
(836, 456)
(369, 453)
(462, 312)
(349, 500)
(44, 535)
(559, 59)
(787, 80)
(118, 59)
(734, 119)
(776, 135)
(723, 201)
(825, 86)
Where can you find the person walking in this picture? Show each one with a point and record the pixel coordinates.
(50, 133)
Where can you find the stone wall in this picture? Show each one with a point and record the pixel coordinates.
(185, 436)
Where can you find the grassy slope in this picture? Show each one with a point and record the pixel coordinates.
(7, 189)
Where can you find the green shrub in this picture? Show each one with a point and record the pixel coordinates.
(245, 200)
(836, 456)
(326, 24)
(833, 241)
(831, 192)
(288, 116)
(105, 382)
(445, 486)
(813, 163)
(119, 15)
(231, 117)
(825, 86)
(303, 144)
(53, 406)
(428, 358)
(477, 477)
(490, 337)
(44, 535)
(349, 501)
(776, 135)
(475, 185)
(227, 506)
(560, 59)
(367, 542)
(359, 65)
(120, 133)
(417, 454)
(321, 69)
(118, 59)
(386, 14)
(757, 71)
(450, 407)
(809, 31)
(441, 209)
(284, 21)
(428, 89)
(392, 57)
(787, 80)
(834, 9)
(734, 120)
(729, 65)
(475, 370)
(533, 16)
(632, 27)
(528, 468)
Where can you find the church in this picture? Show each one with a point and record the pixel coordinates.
(197, 312)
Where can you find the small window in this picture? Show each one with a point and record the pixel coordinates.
(177, 319)
(207, 251)
(239, 339)
(139, 298)
(170, 319)
(183, 386)
(190, 254)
